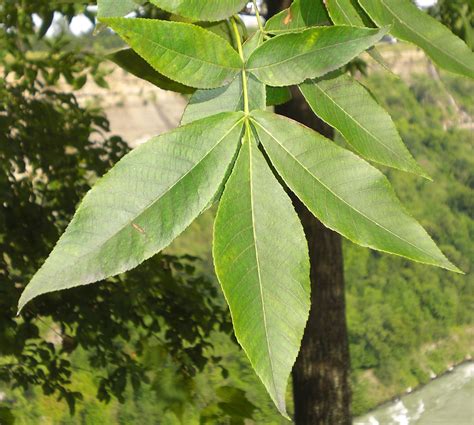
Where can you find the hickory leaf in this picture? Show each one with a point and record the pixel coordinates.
(346, 193)
(347, 106)
(202, 10)
(291, 58)
(141, 205)
(299, 16)
(182, 52)
(204, 103)
(411, 24)
(133, 63)
(265, 283)
(231, 97)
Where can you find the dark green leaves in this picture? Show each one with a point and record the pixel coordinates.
(261, 259)
(292, 58)
(343, 191)
(141, 205)
(183, 52)
(202, 10)
(411, 24)
(347, 106)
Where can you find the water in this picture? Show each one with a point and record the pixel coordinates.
(448, 400)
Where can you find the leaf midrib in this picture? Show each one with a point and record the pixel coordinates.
(341, 199)
(366, 130)
(272, 367)
(402, 22)
(195, 58)
(310, 52)
(150, 205)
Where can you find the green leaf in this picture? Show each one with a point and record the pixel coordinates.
(411, 24)
(347, 106)
(346, 193)
(299, 16)
(112, 8)
(202, 10)
(183, 52)
(228, 98)
(141, 205)
(347, 12)
(261, 260)
(291, 58)
(134, 64)
(277, 95)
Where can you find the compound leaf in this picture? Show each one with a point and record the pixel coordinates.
(412, 25)
(261, 260)
(183, 52)
(346, 193)
(202, 10)
(346, 105)
(291, 58)
(141, 205)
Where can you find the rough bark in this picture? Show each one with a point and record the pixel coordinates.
(321, 386)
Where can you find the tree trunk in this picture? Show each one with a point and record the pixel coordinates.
(321, 386)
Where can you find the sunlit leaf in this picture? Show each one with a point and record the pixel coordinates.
(265, 283)
(300, 15)
(346, 193)
(411, 24)
(133, 63)
(183, 52)
(202, 10)
(141, 205)
(346, 105)
(292, 58)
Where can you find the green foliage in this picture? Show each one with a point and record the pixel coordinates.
(347, 106)
(155, 192)
(269, 303)
(291, 58)
(415, 26)
(299, 16)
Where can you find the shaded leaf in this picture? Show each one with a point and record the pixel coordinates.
(183, 52)
(133, 63)
(300, 15)
(346, 105)
(292, 58)
(265, 284)
(277, 95)
(346, 193)
(411, 24)
(141, 205)
(200, 10)
(348, 12)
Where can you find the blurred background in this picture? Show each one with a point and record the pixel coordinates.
(155, 346)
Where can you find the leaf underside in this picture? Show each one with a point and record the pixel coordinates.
(261, 260)
(346, 193)
(412, 25)
(141, 205)
(346, 105)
